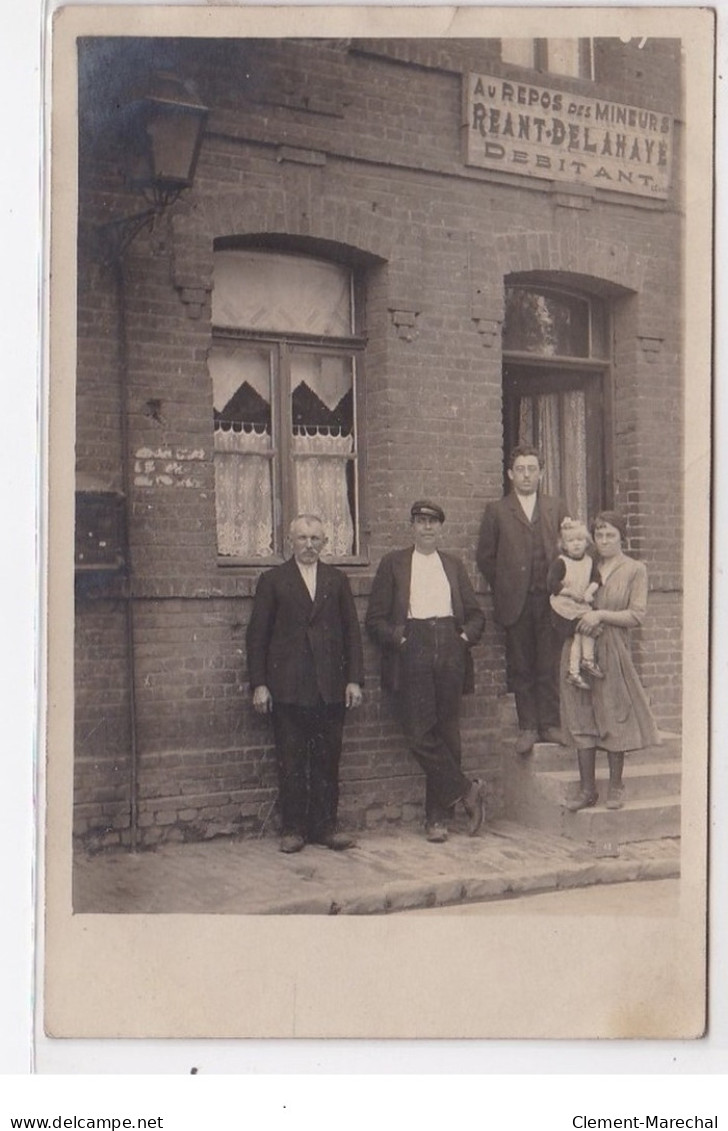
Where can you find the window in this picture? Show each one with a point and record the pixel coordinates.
(285, 366)
(574, 57)
(554, 323)
(555, 366)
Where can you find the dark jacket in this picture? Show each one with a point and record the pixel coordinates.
(389, 604)
(300, 648)
(503, 554)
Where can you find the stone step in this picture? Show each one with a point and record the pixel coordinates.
(551, 756)
(639, 820)
(643, 819)
(547, 756)
(536, 799)
(642, 781)
(537, 785)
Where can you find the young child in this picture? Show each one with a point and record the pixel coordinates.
(572, 582)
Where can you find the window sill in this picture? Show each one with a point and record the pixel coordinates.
(248, 566)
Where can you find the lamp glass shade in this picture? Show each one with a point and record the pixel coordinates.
(164, 144)
(174, 136)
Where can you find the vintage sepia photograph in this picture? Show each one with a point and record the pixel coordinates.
(377, 388)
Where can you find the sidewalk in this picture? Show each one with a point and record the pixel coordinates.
(386, 872)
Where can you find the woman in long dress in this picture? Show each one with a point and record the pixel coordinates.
(615, 714)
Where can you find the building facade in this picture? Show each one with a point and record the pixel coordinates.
(398, 259)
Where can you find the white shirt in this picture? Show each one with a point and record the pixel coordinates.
(430, 594)
(308, 573)
(528, 503)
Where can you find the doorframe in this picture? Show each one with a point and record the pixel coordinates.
(536, 367)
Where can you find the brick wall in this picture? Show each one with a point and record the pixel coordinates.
(355, 147)
(102, 734)
(657, 650)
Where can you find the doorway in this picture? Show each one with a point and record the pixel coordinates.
(555, 391)
(561, 414)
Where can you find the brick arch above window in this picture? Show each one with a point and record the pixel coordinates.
(576, 281)
(197, 232)
(332, 226)
(567, 259)
(337, 252)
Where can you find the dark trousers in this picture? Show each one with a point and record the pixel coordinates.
(532, 654)
(431, 687)
(308, 749)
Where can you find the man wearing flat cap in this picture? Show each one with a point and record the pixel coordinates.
(424, 614)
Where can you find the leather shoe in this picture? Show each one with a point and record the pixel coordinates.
(474, 802)
(337, 841)
(615, 797)
(577, 680)
(291, 842)
(582, 800)
(525, 741)
(436, 833)
(555, 735)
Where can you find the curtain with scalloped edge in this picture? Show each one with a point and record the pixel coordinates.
(320, 463)
(243, 492)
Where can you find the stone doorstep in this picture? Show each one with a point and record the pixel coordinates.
(642, 782)
(551, 756)
(643, 819)
(654, 818)
(538, 785)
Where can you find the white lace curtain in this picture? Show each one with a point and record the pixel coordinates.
(321, 483)
(243, 492)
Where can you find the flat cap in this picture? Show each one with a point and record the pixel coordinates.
(427, 507)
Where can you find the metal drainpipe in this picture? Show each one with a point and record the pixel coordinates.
(127, 478)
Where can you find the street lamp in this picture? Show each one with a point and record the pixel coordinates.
(162, 136)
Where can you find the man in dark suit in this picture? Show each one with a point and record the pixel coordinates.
(425, 615)
(518, 542)
(306, 668)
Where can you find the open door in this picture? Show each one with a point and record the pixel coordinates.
(555, 389)
(561, 414)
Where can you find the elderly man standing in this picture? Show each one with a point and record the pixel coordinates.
(424, 613)
(518, 542)
(306, 668)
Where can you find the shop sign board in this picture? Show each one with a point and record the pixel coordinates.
(537, 131)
